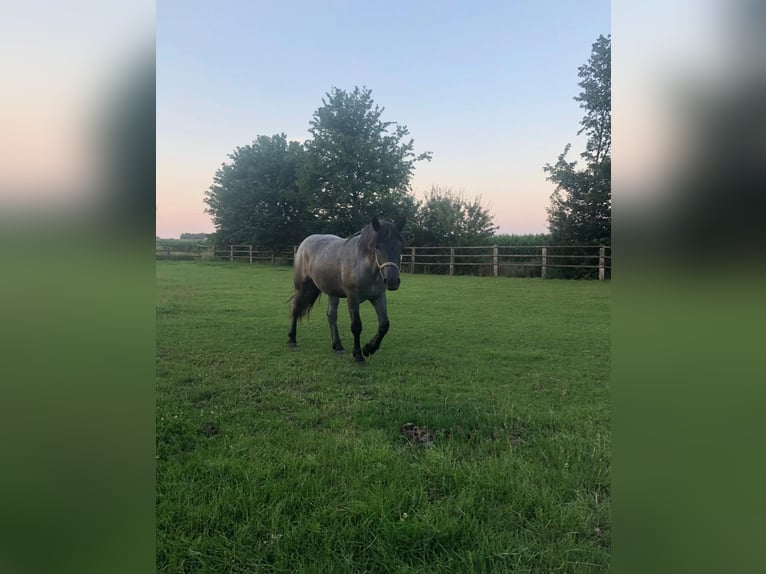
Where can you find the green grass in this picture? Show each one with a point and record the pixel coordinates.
(278, 460)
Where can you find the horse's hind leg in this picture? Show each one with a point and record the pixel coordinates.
(293, 329)
(303, 299)
(332, 318)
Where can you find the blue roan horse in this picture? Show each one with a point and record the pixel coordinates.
(360, 268)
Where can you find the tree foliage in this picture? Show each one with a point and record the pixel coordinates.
(273, 193)
(198, 236)
(358, 165)
(581, 205)
(256, 198)
(596, 100)
(528, 240)
(447, 218)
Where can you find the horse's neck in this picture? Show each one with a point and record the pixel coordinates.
(362, 251)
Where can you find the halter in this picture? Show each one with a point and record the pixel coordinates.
(386, 264)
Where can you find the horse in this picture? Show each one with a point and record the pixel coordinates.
(358, 268)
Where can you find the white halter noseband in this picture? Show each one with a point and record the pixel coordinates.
(386, 264)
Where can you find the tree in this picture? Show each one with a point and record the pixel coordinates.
(256, 199)
(581, 205)
(273, 193)
(198, 236)
(447, 218)
(357, 166)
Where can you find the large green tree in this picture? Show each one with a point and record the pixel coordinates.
(358, 165)
(256, 198)
(273, 193)
(446, 217)
(581, 206)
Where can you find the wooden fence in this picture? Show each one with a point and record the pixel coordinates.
(583, 261)
(173, 251)
(250, 254)
(241, 253)
(512, 260)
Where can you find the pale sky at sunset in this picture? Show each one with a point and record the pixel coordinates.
(486, 86)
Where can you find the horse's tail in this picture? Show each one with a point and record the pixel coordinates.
(301, 305)
(291, 300)
(306, 291)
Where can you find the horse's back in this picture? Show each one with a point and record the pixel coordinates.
(319, 241)
(318, 247)
(318, 258)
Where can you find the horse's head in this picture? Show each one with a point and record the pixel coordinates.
(387, 246)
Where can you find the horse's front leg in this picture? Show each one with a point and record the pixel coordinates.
(332, 318)
(381, 308)
(356, 326)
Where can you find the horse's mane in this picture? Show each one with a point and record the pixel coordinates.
(367, 235)
(350, 237)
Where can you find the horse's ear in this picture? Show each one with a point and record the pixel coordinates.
(400, 225)
(375, 223)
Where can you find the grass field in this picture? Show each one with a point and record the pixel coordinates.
(278, 460)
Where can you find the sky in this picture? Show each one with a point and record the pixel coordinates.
(485, 86)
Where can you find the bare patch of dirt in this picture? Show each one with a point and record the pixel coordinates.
(514, 434)
(416, 434)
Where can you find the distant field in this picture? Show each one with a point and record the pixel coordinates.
(278, 460)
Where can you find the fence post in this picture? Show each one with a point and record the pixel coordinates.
(545, 262)
(451, 260)
(412, 260)
(494, 259)
(601, 258)
(231, 253)
(250, 247)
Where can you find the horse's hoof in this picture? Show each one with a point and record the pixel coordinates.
(359, 359)
(368, 350)
(340, 351)
(292, 344)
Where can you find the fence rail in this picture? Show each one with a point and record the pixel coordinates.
(511, 260)
(490, 260)
(175, 251)
(250, 254)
